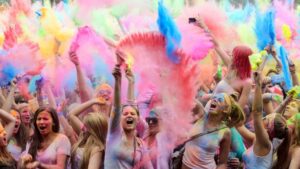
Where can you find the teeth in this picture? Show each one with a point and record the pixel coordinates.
(129, 120)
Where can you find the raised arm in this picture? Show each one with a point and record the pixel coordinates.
(10, 98)
(224, 56)
(73, 115)
(114, 126)
(280, 108)
(295, 79)
(262, 144)
(9, 121)
(83, 89)
(130, 92)
(116, 113)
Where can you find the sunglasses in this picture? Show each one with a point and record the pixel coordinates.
(104, 92)
(219, 97)
(151, 120)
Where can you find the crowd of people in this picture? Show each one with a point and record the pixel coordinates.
(244, 117)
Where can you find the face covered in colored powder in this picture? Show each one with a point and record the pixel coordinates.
(104, 93)
(291, 109)
(129, 118)
(3, 136)
(153, 121)
(218, 104)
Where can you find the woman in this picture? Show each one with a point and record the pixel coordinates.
(294, 153)
(123, 149)
(17, 143)
(26, 117)
(200, 152)
(88, 152)
(6, 159)
(270, 135)
(238, 79)
(49, 149)
(103, 91)
(150, 138)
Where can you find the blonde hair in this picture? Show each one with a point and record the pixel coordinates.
(235, 113)
(6, 158)
(95, 136)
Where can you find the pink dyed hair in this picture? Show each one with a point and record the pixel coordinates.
(240, 61)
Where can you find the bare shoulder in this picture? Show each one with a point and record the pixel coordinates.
(96, 150)
(247, 82)
(227, 133)
(296, 152)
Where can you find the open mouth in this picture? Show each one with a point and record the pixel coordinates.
(213, 105)
(42, 128)
(129, 120)
(16, 126)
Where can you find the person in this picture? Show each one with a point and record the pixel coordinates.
(238, 79)
(294, 152)
(49, 148)
(88, 152)
(103, 91)
(6, 159)
(223, 112)
(17, 143)
(270, 135)
(150, 137)
(124, 150)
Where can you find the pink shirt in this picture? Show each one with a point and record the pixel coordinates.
(60, 145)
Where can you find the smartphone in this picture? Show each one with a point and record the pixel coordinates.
(192, 20)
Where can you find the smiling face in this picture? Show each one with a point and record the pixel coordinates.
(104, 92)
(291, 109)
(129, 118)
(44, 123)
(3, 136)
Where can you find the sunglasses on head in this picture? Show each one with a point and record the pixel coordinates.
(151, 120)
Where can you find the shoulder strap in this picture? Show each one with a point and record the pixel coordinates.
(202, 134)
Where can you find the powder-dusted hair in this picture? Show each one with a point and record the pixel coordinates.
(240, 61)
(95, 135)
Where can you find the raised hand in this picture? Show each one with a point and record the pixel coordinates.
(117, 72)
(257, 78)
(120, 57)
(129, 75)
(74, 58)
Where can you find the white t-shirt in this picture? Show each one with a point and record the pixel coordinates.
(60, 145)
(14, 150)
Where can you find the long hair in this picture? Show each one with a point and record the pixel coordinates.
(37, 137)
(240, 61)
(95, 135)
(281, 131)
(235, 114)
(6, 159)
(296, 140)
(22, 135)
